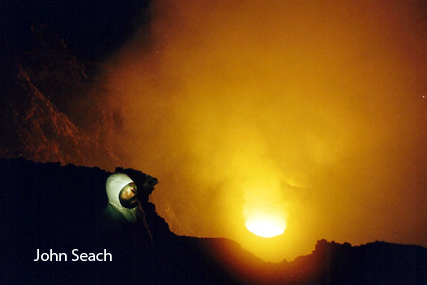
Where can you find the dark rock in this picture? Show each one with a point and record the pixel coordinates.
(49, 206)
(373, 263)
(32, 127)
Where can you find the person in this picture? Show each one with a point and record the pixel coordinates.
(124, 213)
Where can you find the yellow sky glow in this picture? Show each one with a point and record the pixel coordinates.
(313, 110)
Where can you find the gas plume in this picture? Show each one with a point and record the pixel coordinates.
(311, 111)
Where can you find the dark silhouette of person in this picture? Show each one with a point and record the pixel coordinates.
(124, 214)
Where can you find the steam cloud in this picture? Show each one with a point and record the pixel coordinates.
(314, 111)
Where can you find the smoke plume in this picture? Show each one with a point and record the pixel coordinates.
(311, 111)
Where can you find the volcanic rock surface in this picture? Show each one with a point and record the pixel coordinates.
(48, 206)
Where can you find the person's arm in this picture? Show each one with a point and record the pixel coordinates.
(144, 231)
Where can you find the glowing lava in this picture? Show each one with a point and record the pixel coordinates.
(265, 226)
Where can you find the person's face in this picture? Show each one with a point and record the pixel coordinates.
(128, 197)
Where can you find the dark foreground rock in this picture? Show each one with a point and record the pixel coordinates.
(49, 206)
(52, 207)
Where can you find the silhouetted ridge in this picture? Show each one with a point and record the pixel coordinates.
(48, 206)
(373, 263)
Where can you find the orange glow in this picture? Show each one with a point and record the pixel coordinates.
(313, 111)
(265, 226)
